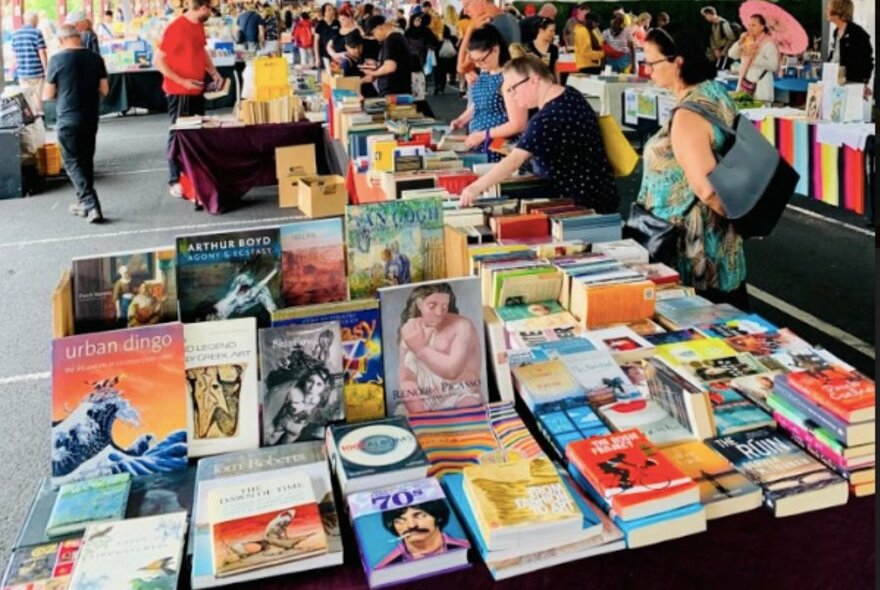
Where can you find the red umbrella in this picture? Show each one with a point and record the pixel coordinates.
(790, 36)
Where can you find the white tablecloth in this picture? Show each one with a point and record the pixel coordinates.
(607, 94)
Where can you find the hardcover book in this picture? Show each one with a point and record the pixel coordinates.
(92, 501)
(301, 389)
(222, 404)
(41, 567)
(118, 403)
(229, 275)
(313, 262)
(434, 348)
(161, 493)
(361, 331)
(407, 531)
(600, 377)
(131, 554)
(393, 243)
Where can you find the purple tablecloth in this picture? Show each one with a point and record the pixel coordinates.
(225, 163)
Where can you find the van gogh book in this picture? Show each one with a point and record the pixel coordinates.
(301, 370)
(131, 554)
(229, 275)
(41, 567)
(92, 501)
(264, 522)
(222, 402)
(364, 387)
(313, 262)
(118, 403)
(407, 531)
(393, 243)
(383, 452)
(433, 346)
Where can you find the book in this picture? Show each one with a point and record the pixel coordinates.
(525, 311)
(407, 531)
(649, 417)
(733, 412)
(529, 338)
(131, 554)
(62, 306)
(793, 482)
(745, 325)
(566, 425)
(533, 285)
(118, 403)
(229, 275)
(434, 348)
(383, 452)
(674, 337)
(301, 381)
(547, 385)
(658, 273)
(600, 377)
(161, 493)
(313, 262)
(393, 243)
(619, 303)
(768, 343)
(222, 399)
(848, 394)
(815, 90)
(92, 501)
(627, 251)
(41, 567)
(685, 400)
(265, 522)
(622, 342)
(723, 369)
(33, 530)
(756, 387)
(683, 353)
(359, 324)
(676, 318)
(518, 226)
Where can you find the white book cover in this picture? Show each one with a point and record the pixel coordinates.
(601, 377)
(131, 554)
(626, 251)
(222, 410)
(619, 339)
(658, 426)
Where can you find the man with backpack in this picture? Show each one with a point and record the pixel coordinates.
(304, 39)
(249, 28)
(723, 35)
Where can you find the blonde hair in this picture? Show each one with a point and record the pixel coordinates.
(528, 64)
(450, 17)
(517, 50)
(644, 18)
(842, 9)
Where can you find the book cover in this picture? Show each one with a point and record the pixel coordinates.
(409, 522)
(677, 317)
(361, 330)
(651, 418)
(313, 262)
(756, 387)
(94, 500)
(222, 400)
(41, 567)
(161, 493)
(433, 346)
(302, 379)
(617, 303)
(600, 377)
(528, 311)
(723, 369)
(266, 522)
(742, 326)
(733, 412)
(33, 530)
(393, 243)
(622, 341)
(682, 353)
(62, 306)
(229, 275)
(768, 343)
(547, 385)
(848, 394)
(519, 338)
(815, 90)
(682, 398)
(118, 403)
(383, 446)
(131, 554)
(564, 426)
(674, 337)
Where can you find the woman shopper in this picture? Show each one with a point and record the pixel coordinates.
(347, 24)
(677, 161)
(850, 45)
(491, 114)
(588, 40)
(620, 49)
(562, 140)
(760, 59)
(542, 46)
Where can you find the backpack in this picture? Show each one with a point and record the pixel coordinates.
(303, 34)
(737, 30)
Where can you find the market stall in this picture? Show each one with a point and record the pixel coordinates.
(604, 92)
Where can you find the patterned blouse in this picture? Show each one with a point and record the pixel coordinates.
(710, 252)
(489, 109)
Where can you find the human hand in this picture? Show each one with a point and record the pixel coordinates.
(192, 84)
(868, 92)
(468, 196)
(456, 124)
(471, 77)
(367, 79)
(475, 139)
(413, 334)
(217, 79)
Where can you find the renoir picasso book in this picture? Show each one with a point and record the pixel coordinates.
(393, 243)
(407, 531)
(82, 503)
(228, 275)
(313, 262)
(118, 403)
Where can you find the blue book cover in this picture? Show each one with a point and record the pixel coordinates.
(510, 313)
(742, 326)
(89, 501)
(674, 337)
(733, 412)
(382, 446)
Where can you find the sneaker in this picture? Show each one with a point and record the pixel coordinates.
(79, 210)
(175, 190)
(94, 215)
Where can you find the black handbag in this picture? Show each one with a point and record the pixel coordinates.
(658, 236)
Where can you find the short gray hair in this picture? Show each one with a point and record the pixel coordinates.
(31, 17)
(66, 32)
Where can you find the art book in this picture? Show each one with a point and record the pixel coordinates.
(118, 403)
(41, 567)
(313, 262)
(622, 342)
(733, 412)
(600, 377)
(82, 503)
(301, 371)
(161, 493)
(393, 243)
(407, 531)
(131, 554)
(222, 402)
(433, 346)
(361, 331)
(229, 275)
(264, 522)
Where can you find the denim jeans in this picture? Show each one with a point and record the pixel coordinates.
(181, 105)
(77, 141)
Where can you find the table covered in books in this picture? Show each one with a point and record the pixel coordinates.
(224, 163)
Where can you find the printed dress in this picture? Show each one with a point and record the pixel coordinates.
(710, 252)
(489, 108)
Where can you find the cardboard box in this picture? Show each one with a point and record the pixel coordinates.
(346, 83)
(322, 196)
(291, 164)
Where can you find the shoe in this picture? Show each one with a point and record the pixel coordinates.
(175, 190)
(197, 206)
(94, 215)
(79, 210)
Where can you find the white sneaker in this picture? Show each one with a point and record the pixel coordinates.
(175, 190)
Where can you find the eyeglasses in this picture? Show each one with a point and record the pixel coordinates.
(483, 58)
(651, 64)
(512, 90)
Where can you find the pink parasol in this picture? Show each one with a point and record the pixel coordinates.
(790, 36)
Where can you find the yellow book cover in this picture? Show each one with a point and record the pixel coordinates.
(719, 481)
(705, 349)
(383, 156)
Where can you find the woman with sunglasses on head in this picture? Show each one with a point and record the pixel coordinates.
(491, 114)
(562, 140)
(542, 46)
(677, 162)
(760, 59)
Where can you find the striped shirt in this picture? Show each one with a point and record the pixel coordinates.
(26, 43)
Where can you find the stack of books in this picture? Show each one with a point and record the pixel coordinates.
(590, 228)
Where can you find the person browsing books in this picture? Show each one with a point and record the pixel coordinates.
(351, 60)
(562, 140)
(394, 75)
(587, 40)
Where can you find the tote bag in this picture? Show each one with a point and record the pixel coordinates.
(621, 155)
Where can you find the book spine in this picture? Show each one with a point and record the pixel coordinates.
(825, 403)
(805, 439)
(818, 415)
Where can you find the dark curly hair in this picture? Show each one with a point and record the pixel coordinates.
(436, 508)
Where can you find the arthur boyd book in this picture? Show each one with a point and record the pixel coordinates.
(229, 275)
(313, 261)
(118, 403)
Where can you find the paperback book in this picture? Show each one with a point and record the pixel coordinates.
(547, 385)
(41, 567)
(658, 426)
(92, 501)
(768, 343)
(742, 326)
(600, 377)
(313, 262)
(734, 413)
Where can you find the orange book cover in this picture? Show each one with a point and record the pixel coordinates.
(620, 303)
(515, 227)
(847, 394)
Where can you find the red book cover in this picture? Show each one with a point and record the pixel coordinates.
(530, 225)
(621, 503)
(847, 394)
(625, 463)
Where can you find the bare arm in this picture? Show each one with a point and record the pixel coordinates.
(43, 58)
(389, 66)
(449, 365)
(317, 48)
(103, 87)
(517, 119)
(209, 65)
(692, 147)
(499, 172)
(49, 91)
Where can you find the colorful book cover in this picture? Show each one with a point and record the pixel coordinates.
(265, 522)
(227, 275)
(768, 343)
(131, 554)
(742, 326)
(529, 338)
(547, 385)
(649, 417)
(682, 353)
(848, 394)
(118, 403)
(393, 243)
(733, 412)
(161, 493)
(676, 336)
(359, 323)
(566, 425)
(600, 377)
(382, 446)
(525, 311)
(313, 262)
(433, 346)
(302, 378)
(696, 315)
(723, 369)
(91, 501)
(41, 567)
(620, 339)
(717, 478)
(756, 387)
(683, 399)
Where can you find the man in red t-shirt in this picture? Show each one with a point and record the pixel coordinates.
(183, 60)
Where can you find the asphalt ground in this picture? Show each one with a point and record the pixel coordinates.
(813, 275)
